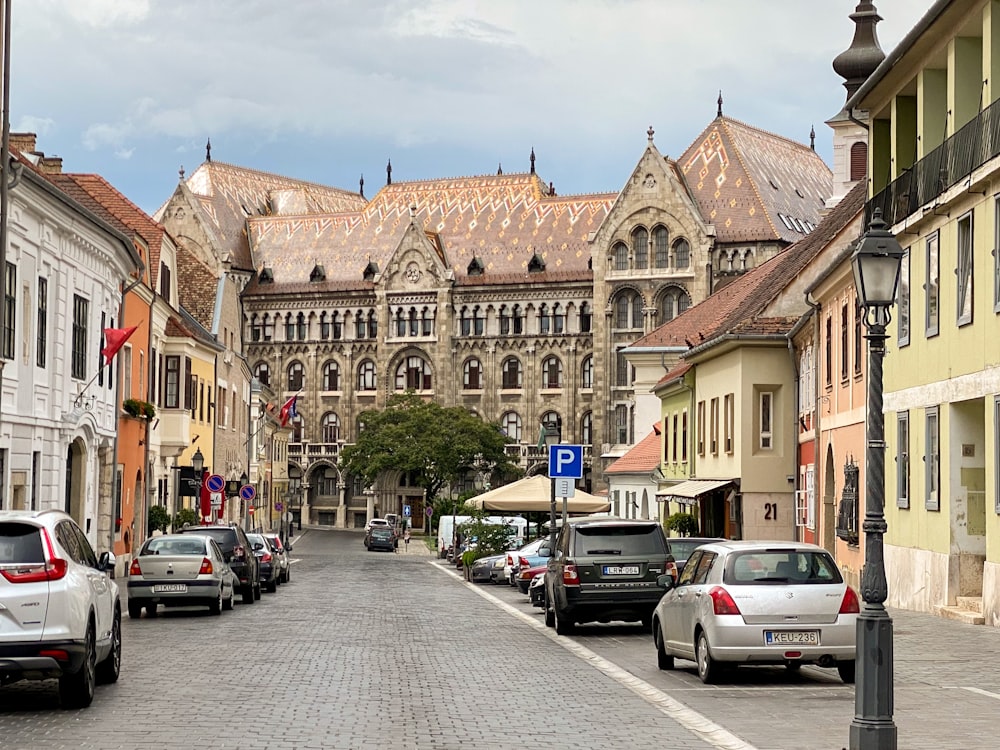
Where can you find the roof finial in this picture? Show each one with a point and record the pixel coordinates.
(208, 150)
(719, 113)
(499, 168)
(532, 160)
(181, 172)
(552, 189)
(388, 172)
(649, 134)
(361, 184)
(812, 137)
(858, 62)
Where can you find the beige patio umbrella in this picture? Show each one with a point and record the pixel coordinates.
(535, 494)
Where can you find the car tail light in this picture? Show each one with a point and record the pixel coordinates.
(238, 551)
(266, 557)
(52, 569)
(134, 569)
(206, 567)
(849, 604)
(510, 561)
(570, 576)
(722, 602)
(523, 562)
(671, 568)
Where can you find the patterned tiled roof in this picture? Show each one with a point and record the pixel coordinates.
(737, 306)
(501, 219)
(643, 456)
(746, 179)
(229, 194)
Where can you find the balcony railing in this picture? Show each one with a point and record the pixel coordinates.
(314, 451)
(974, 144)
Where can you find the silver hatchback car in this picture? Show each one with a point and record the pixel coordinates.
(757, 603)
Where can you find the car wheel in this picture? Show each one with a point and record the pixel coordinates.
(288, 575)
(107, 670)
(272, 586)
(230, 602)
(550, 616)
(134, 610)
(846, 671)
(708, 668)
(663, 659)
(215, 607)
(150, 610)
(256, 590)
(77, 690)
(247, 594)
(564, 626)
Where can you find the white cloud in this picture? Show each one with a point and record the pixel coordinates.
(39, 125)
(105, 13)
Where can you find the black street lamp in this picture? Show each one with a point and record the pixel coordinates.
(198, 464)
(876, 265)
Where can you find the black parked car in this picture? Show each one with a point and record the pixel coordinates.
(604, 569)
(380, 537)
(238, 552)
(270, 566)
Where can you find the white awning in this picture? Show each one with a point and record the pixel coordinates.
(693, 488)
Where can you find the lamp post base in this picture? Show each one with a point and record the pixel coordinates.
(873, 728)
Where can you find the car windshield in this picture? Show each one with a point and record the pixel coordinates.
(765, 567)
(381, 534)
(20, 543)
(619, 540)
(173, 546)
(225, 538)
(681, 549)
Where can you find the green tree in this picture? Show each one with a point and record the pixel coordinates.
(440, 444)
(158, 519)
(185, 516)
(685, 524)
(491, 538)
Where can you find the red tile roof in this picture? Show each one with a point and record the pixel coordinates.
(643, 456)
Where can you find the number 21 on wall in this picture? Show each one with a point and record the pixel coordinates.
(770, 511)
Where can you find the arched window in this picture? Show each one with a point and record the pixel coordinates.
(859, 161)
(324, 326)
(672, 303)
(268, 327)
(587, 429)
(682, 254)
(586, 317)
(263, 373)
(300, 321)
(256, 328)
(372, 325)
(637, 304)
(400, 322)
(552, 423)
(620, 253)
(331, 428)
(544, 323)
(338, 326)
(551, 372)
(289, 327)
(427, 321)
(683, 301)
(640, 247)
(558, 319)
(472, 375)
(661, 247)
(667, 311)
(511, 374)
(331, 376)
(504, 320)
(478, 321)
(510, 423)
(366, 376)
(413, 373)
(518, 322)
(587, 372)
(464, 322)
(360, 329)
(621, 311)
(414, 322)
(296, 376)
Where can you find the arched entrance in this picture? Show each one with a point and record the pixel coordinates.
(829, 502)
(75, 489)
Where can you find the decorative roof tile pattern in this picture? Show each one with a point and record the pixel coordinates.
(736, 307)
(230, 194)
(754, 185)
(502, 220)
(644, 456)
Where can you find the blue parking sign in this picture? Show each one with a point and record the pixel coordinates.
(566, 461)
(406, 511)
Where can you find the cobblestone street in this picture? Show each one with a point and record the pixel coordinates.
(366, 649)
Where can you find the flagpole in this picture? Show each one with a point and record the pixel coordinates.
(76, 401)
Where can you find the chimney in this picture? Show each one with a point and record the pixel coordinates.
(50, 164)
(23, 142)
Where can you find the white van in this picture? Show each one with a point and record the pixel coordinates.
(448, 524)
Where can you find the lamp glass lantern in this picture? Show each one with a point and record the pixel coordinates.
(876, 264)
(198, 462)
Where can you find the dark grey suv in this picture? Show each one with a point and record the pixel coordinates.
(604, 569)
(238, 552)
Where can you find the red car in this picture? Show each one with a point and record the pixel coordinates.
(526, 575)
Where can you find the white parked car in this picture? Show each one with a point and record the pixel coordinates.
(59, 611)
(180, 570)
(757, 603)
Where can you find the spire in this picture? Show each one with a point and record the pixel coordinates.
(499, 168)
(649, 134)
(532, 160)
(719, 102)
(208, 150)
(181, 173)
(361, 185)
(812, 137)
(388, 172)
(858, 62)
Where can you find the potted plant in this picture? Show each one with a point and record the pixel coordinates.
(138, 408)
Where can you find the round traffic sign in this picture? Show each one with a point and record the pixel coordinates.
(215, 483)
(248, 492)
(429, 511)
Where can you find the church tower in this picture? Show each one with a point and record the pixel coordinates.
(850, 129)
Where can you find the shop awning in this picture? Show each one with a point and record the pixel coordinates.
(693, 488)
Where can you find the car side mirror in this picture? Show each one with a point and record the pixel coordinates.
(258, 546)
(106, 562)
(665, 582)
(545, 552)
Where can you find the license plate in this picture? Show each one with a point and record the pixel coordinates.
(170, 588)
(791, 637)
(621, 570)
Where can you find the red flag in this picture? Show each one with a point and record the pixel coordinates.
(115, 337)
(288, 412)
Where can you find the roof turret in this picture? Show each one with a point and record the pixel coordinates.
(859, 60)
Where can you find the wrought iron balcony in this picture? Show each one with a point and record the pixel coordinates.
(974, 144)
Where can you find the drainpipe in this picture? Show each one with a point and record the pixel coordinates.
(817, 308)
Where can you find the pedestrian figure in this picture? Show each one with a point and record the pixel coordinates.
(406, 540)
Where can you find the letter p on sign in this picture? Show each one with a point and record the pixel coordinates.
(566, 461)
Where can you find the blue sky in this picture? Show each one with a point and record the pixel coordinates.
(326, 90)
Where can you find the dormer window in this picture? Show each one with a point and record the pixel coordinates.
(318, 273)
(536, 264)
(370, 271)
(266, 275)
(475, 268)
